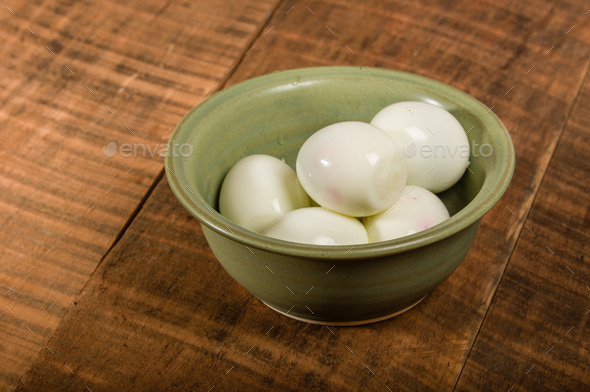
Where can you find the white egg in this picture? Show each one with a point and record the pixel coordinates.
(434, 142)
(417, 209)
(318, 226)
(258, 190)
(352, 168)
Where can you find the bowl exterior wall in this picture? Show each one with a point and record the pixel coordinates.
(275, 114)
(332, 290)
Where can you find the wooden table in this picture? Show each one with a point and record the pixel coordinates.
(107, 283)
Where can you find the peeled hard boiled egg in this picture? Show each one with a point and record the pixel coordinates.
(258, 190)
(417, 209)
(434, 142)
(318, 226)
(352, 168)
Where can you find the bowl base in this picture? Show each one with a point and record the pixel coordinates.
(347, 323)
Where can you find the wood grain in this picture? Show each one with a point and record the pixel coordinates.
(535, 335)
(76, 76)
(159, 313)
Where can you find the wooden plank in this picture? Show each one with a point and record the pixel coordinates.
(160, 313)
(76, 76)
(535, 335)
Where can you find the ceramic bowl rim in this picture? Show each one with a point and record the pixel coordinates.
(467, 216)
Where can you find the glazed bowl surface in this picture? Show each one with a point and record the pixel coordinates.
(339, 285)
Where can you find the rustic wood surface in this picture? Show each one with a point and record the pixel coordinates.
(131, 298)
(535, 336)
(75, 76)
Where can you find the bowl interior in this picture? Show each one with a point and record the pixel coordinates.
(276, 113)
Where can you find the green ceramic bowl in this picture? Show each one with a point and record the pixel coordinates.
(274, 115)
